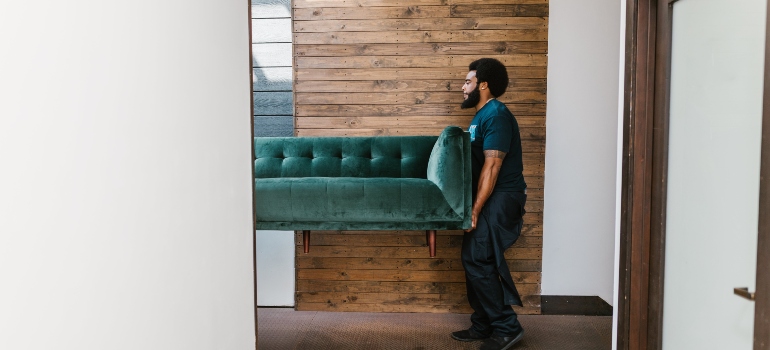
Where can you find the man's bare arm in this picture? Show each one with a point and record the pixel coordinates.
(493, 153)
(493, 160)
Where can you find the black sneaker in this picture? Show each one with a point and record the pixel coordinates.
(501, 343)
(468, 335)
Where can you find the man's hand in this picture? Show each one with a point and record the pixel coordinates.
(474, 216)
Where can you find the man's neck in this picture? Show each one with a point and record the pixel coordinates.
(486, 96)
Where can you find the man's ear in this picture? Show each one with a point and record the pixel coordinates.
(483, 85)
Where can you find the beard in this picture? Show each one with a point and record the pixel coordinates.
(473, 99)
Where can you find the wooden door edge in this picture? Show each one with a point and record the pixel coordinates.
(762, 295)
(644, 171)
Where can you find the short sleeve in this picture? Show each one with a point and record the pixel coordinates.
(498, 132)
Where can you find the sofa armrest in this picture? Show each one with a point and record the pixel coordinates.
(449, 167)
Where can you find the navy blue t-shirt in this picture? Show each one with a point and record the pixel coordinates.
(495, 128)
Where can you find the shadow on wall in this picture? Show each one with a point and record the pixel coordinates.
(272, 68)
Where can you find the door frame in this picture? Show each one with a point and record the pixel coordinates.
(644, 174)
(644, 181)
(762, 296)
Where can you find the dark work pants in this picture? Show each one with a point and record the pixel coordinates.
(490, 289)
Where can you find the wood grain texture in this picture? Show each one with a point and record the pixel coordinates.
(374, 13)
(424, 49)
(404, 239)
(520, 60)
(396, 98)
(397, 287)
(513, 10)
(273, 103)
(381, 25)
(402, 275)
(393, 67)
(515, 86)
(530, 229)
(273, 126)
(532, 265)
(409, 73)
(400, 122)
(526, 134)
(369, 110)
(406, 252)
(409, 12)
(381, 3)
(399, 37)
(395, 298)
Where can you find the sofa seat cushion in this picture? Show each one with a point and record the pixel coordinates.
(347, 199)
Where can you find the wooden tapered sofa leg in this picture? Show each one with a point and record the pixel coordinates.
(430, 235)
(306, 240)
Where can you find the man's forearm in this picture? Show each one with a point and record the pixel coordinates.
(487, 182)
(493, 160)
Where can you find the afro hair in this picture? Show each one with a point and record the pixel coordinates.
(492, 72)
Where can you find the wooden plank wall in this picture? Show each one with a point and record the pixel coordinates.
(393, 67)
(271, 48)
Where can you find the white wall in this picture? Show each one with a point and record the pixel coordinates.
(125, 190)
(581, 152)
(275, 268)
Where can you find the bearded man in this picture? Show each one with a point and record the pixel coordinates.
(499, 195)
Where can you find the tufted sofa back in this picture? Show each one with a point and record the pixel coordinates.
(395, 157)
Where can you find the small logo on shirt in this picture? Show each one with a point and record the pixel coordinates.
(472, 130)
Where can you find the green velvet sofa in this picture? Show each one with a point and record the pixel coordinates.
(364, 183)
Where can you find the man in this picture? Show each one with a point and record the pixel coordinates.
(499, 193)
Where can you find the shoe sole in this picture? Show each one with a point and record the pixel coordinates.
(514, 341)
(466, 339)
